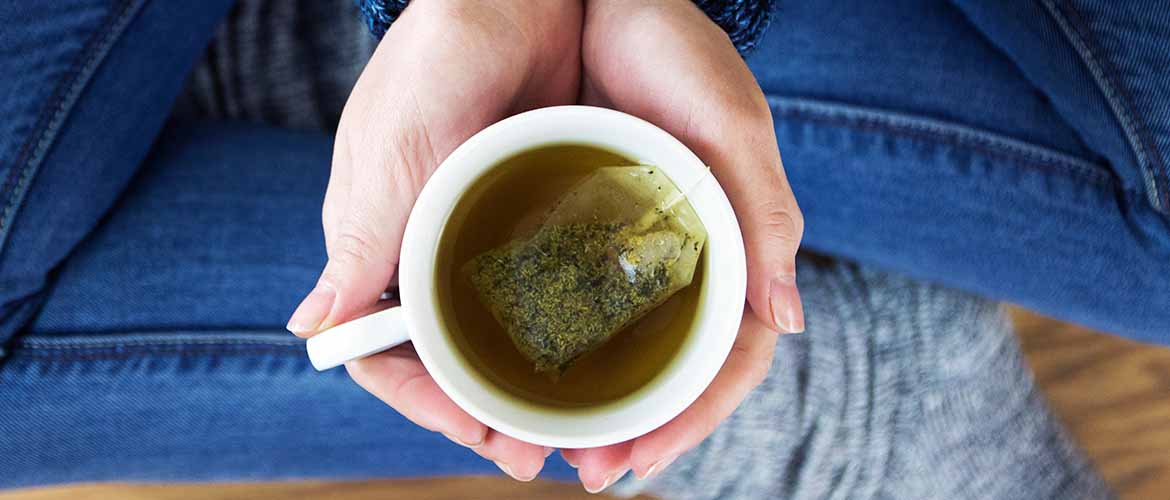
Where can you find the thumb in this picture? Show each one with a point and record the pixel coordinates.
(772, 228)
(752, 174)
(363, 240)
(361, 265)
(748, 167)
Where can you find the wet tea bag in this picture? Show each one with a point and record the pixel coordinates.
(617, 245)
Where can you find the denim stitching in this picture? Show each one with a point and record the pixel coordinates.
(171, 352)
(177, 343)
(1149, 160)
(115, 347)
(956, 135)
(159, 339)
(53, 116)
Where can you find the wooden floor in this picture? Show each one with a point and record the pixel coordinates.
(464, 488)
(1113, 394)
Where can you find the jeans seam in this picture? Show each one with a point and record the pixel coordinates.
(179, 353)
(953, 134)
(64, 347)
(126, 346)
(1149, 160)
(53, 116)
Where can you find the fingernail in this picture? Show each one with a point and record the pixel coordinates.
(508, 470)
(658, 467)
(548, 451)
(312, 311)
(570, 462)
(463, 443)
(784, 299)
(609, 480)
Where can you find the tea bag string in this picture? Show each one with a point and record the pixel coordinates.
(652, 217)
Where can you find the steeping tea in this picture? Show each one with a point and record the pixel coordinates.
(615, 246)
(557, 275)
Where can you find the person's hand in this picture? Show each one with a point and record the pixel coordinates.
(445, 70)
(666, 62)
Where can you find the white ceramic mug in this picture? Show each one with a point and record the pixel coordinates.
(418, 318)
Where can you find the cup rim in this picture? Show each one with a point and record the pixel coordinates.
(700, 357)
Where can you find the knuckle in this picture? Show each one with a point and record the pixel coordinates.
(707, 422)
(353, 247)
(744, 104)
(409, 158)
(756, 364)
(758, 371)
(709, 426)
(753, 107)
(398, 395)
(782, 223)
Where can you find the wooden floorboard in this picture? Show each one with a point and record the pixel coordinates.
(1113, 394)
(459, 488)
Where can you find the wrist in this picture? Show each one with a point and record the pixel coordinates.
(530, 27)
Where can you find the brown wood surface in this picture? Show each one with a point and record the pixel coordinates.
(1113, 394)
(458, 488)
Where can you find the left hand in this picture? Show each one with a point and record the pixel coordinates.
(445, 70)
(666, 62)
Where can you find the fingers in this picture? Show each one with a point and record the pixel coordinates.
(736, 137)
(742, 149)
(398, 378)
(444, 71)
(337, 191)
(516, 458)
(699, 89)
(393, 133)
(599, 468)
(745, 159)
(364, 215)
(772, 228)
(745, 368)
(362, 260)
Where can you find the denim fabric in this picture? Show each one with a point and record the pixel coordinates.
(899, 389)
(87, 85)
(913, 141)
(1127, 47)
(1103, 65)
(976, 144)
(193, 377)
(915, 136)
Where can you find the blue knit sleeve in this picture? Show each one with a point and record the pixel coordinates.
(744, 20)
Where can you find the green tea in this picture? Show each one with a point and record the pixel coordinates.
(492, 213)
(617, 245)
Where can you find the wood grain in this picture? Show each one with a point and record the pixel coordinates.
(1113, 394)
(458, 488)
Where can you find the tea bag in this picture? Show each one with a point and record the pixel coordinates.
(617, 245)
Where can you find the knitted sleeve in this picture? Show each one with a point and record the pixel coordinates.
(744, 20)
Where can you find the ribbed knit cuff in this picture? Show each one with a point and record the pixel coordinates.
(744, 20)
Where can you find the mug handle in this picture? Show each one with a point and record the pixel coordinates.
(358, 338)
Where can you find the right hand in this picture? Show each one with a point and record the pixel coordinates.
(445, 70)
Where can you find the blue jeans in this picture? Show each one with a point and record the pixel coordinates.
(159, 356)
(143, 296)
(1015, 149)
